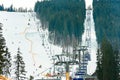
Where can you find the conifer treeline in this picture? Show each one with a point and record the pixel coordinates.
(64, 18)
(13, 9)
(10, 9)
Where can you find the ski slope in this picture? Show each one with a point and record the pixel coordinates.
(23, 30)
(92, 42)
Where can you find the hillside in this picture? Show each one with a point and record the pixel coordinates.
(63, 18)
(23, 30)
(107, 17)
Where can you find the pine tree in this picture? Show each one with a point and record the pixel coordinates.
(2, 60)
(107, 65)
(4, 56)
(2, 7)
(2, 45)
(20, 66)
(7, 63)
(107, 59)
(11, 9)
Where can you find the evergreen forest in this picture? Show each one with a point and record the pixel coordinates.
(63, 18)
(107, 26)
(107, 16)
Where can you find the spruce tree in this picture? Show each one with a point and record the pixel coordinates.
(20, 66)
(7, 63)
(2, 7)
(99, 65)
(5, 57)
(2, 60)
(2, 46)
(117, 64)
(107, 62)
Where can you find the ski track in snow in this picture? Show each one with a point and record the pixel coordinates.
(20, 30)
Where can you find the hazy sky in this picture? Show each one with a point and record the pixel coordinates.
(19, 3)
(26, 3)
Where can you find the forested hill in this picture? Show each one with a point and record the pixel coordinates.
(107, 19)
(63, 18)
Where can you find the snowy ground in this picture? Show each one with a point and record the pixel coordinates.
(92, 42)
(22, 30)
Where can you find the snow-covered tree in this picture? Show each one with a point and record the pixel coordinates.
(2, 51)
(7, 63)
(19, 66)
(5, 57)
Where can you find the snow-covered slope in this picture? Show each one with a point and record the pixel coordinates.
(22, 30)
(90, 35)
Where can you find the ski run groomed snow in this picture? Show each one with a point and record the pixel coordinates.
(23, 30)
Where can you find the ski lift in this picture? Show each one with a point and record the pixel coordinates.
(40, 66)
(36, 69)
(28, 23)
(87, 55)
(43, 43)
(43, 36)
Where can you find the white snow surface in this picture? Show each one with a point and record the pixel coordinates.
(23, 30)
(92, 43)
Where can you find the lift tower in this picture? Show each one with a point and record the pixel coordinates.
(66, 60)
(84, 49)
